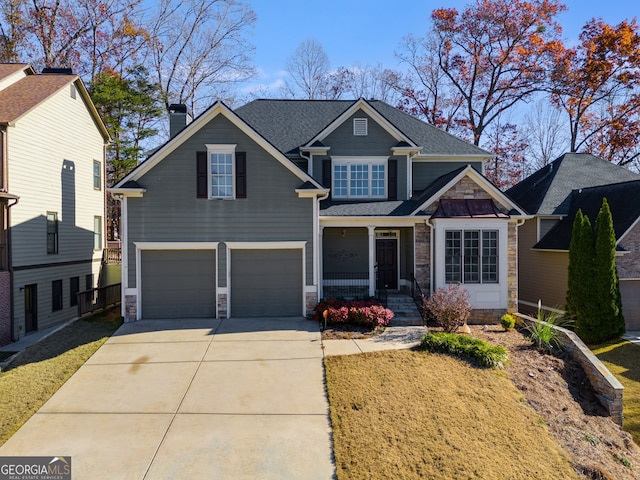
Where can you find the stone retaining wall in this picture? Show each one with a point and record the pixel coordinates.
(607, 387)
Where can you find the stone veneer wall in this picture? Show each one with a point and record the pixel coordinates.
(423, 256)
(5, 307)
(465, 189)
(223, 305)
(608, 388)
(486, 316)
(131, 308)
(311, 300)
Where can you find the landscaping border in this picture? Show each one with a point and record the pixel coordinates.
(608, 388)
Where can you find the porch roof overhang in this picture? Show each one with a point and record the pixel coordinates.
(468, 208)
(378, 222)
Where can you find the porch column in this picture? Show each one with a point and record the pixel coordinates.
(372, 260)
(320, 262)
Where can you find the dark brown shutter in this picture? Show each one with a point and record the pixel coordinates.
(201, 175)
(241, 174)
(393, 180)
(326, 173)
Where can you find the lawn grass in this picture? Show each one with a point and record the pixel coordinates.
(408, 414)
(622, 358)
(38, 372)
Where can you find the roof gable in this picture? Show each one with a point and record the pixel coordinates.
(20, 98)
(447, 182)
(290, 124)
(218, 108)
(547, 191)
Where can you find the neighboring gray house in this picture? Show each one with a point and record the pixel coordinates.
(52, 197)
(553, 196)
(264, 210)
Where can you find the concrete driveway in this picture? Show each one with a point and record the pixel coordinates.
(196, 399)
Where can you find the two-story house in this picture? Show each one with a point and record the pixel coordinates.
(52, 197)
(264, 210)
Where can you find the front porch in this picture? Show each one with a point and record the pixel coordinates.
(367, 261)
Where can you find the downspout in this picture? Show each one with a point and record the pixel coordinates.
(427, 221)
(10, 266)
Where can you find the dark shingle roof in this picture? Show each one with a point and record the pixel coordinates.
(623, 199)
(546, 192)
(288, 124)
(365, 209)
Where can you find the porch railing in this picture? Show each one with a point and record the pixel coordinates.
(418, 298)
(98, 298)
(345, 285)
(112, 256)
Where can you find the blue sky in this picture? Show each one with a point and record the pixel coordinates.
(367, 32)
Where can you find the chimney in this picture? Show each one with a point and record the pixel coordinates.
(57, 71)
(179, 117)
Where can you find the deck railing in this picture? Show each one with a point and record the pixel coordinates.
(98, 298)
(112, 256)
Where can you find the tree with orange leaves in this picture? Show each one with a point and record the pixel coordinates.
(495, 54)
(597, 84)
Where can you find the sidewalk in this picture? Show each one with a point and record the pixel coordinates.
(393, 338)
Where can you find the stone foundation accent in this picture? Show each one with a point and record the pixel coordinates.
(422, 241)
(222, 305)
(311, 300)
(5, 308)
(131, 308)
(608, 388)
(487, 316)
(465, 189)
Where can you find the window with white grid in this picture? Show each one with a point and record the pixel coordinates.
(359, 178)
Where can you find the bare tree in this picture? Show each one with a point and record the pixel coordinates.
(426, 91)
(309, 76)
(544, 135)
(366, 81)
(199, 48)
(12, 30)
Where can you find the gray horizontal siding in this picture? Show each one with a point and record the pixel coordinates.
(426, 172)
(170, 211)
(378, 142)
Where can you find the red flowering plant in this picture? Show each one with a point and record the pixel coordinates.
(368, 313)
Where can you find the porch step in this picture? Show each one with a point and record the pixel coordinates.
(405, 312)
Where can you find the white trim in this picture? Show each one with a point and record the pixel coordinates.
(633, 225)
(482, 182)
(383, 222)
(216, 109)
(127, 192)
(483, 295)
(438, 157)
(142, 246)
(361, 104)
(222, 149)
(360, 126)
(348, 161)
(294, 245)
(124, 254)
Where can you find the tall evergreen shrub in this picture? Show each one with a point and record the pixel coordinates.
(580, 308)
(606, 285)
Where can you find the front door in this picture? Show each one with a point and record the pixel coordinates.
(387, 261)
(31, 307)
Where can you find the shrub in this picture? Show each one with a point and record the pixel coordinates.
(367, 313)
(544, 334)
(450, 307)
(508, 321)
(479, 351)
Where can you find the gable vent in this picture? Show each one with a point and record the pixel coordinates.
(360, 127)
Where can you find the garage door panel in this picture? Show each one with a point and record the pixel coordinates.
(178, 283)
(266, 283)
(630, 293)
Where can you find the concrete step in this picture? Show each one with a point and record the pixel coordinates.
(405, 312)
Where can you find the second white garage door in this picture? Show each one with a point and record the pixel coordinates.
(266, 283)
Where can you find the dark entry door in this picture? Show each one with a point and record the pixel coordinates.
(387, 260)
(31, 307)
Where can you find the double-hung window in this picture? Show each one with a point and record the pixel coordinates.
(97, 175)
(471, 256)
(359, 177)
(52, 232)
(221, 170)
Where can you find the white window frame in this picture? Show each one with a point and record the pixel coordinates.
(360, 127)
(369, 161)
(225, 149)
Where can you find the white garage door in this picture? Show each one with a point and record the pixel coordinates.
(266, 283)
(178, 283)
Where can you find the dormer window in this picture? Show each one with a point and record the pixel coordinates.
(360, 127)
